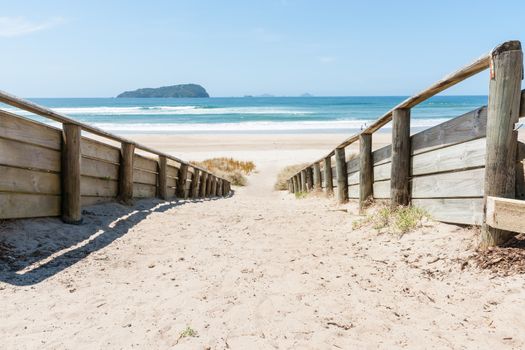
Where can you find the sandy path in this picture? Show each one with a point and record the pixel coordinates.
(259, 270)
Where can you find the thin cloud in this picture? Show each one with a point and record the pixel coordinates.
(18, 26)
(327, 59)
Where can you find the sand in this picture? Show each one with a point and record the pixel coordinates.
(257, 270)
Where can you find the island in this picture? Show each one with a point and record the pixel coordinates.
(177, 91)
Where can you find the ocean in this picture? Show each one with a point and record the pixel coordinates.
(249, 114)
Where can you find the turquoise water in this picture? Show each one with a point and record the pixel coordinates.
(250, 114)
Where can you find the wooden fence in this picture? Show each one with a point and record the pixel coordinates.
(449, 169)
(48, 171)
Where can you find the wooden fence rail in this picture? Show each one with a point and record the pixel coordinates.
(449, 169)
(51, 172)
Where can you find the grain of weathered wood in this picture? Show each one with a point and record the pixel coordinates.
(353, 178)
(163, 177)
(309, 178)
(317, 176)
(469, 126)
(145, 163)
(209, 185)
(382, 155)
(353, 191)
(203, 183)
(24, 155)
(24, 130)
(70, 174)
(353, 164)
(181, 181)
(382, 189)
(502, 114)
(213, 186)
(96, 149)
(219, 187)
(172, 171)
(29, 181)
(506, 214)
(400, 166)
(295, 185)
(125, 192)
(467, 211)
(328, 176)
(144, 177)
(382, 171)
(342, 177)
(366, 169)
(97, 168)
(461, 156)
(91, 186)
(144, 191)
(304, 188)
(88, 200)
(195, 184)
(22, 205)
(467, 183)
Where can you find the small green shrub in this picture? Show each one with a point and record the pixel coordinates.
(300, 195)
(398, 220)
(188, 332)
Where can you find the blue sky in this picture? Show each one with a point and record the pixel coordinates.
(233, 48)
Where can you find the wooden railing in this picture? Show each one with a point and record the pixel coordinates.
(449, 169)
(47, 171)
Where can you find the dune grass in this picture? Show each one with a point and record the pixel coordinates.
(285, 174)
(231, 169)
(398, 220)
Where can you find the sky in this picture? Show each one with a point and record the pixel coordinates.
(235, 48)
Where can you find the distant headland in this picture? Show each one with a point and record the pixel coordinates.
(178, 91)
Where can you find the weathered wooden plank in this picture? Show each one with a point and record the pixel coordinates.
(91, 186)
(21, 205)
(506, 214)
(469, 126)
(29, 181)
(96, 149)
(353, 191)
(382, 155)
(28, 156)
(460, 156)
(366, 169)
(382, 189)
(144, 191)
(162, 178)
(467, 183)
(172, 172)
(352, 165)
(144, 177)
(181, 190)
(144, 163)
(327, 175)
(97, 168)
(353, 178)
(24, 130)
(467, 211)
(88, 200)
(382, 171)
(70, 174)
(171, 182)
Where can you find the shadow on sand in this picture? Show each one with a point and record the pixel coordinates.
(32, 250)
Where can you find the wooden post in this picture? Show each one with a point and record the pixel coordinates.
(163, 177)
(195, 183)
(342, 175)
(366, 169)
(303, 181)
(71, 207)
(203, 183)
(329, 182)
(213, 186)
(219, 188)
(317, 177)
(502, 113)
(180, 189)
(125, 181)
(295, 184)
(400, 170)
(227, 188)
(208, 185)
(309, 178)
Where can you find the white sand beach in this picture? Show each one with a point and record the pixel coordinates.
(257, 270)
